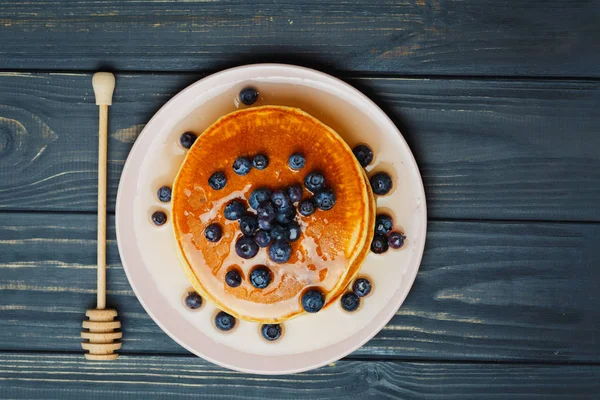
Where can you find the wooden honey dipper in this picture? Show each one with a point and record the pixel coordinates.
(100, 331)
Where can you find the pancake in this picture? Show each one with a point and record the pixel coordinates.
(355, 267)
(332, 243)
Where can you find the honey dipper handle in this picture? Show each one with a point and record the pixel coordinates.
(102, 155)
(104, 86)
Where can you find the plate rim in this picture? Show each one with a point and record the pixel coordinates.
(380, 320)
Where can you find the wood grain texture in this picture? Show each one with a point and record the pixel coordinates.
(485, 291)
(25, 376)
(525, 38)
(491, 149)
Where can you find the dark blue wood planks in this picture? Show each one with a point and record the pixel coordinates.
(67, 376)
(414, 37)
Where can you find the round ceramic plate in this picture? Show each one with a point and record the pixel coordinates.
(149, 252)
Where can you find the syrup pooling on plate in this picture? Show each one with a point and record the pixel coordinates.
(330, 239)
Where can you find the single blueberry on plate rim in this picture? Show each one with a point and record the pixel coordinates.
(379, 244)
(224, 321)
(187, 139)
(396, 240)
(363, 154)
(249, 96)
(193, 301)
(159, 218)
(350, 301)
(381, 183)
(164, 194)
(362, 287)
(383, 224)
(271, 332)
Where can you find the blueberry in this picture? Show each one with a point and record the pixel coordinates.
(278, 232)
(262, 238)
(187, 139)
(314, 181)
(313, 300)
(242, 166)
(234, 210)
(245, 247)
(294, 193)
(159, 218)
(224, 321)
(307, 207)
(297, 161)
(325, 199)
(193, 301)
(362, 287)
(271, 332)
(280, 199)
(293, 231)
(218, 180)
(233, 278)
(350, 301)
(213, 232)
(381, 183)
(265, 223)
(248, 224)
(363, 154)
(379, 244)
(260, 277)
(248, 96)
(260, 161)
(383, 224)
(258, 196)
(280, 251)
(266, 210)
(164, 194)
(286, 215)
(396, 240)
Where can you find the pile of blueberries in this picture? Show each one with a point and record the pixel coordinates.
(273, 222)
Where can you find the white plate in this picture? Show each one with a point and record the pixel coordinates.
(149, 253)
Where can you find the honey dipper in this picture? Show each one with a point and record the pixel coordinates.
(100, 331)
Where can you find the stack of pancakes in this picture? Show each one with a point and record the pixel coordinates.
(333, 244)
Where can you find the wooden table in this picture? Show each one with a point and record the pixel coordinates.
(499, 101)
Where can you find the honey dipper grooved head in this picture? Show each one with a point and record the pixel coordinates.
(101, 335)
